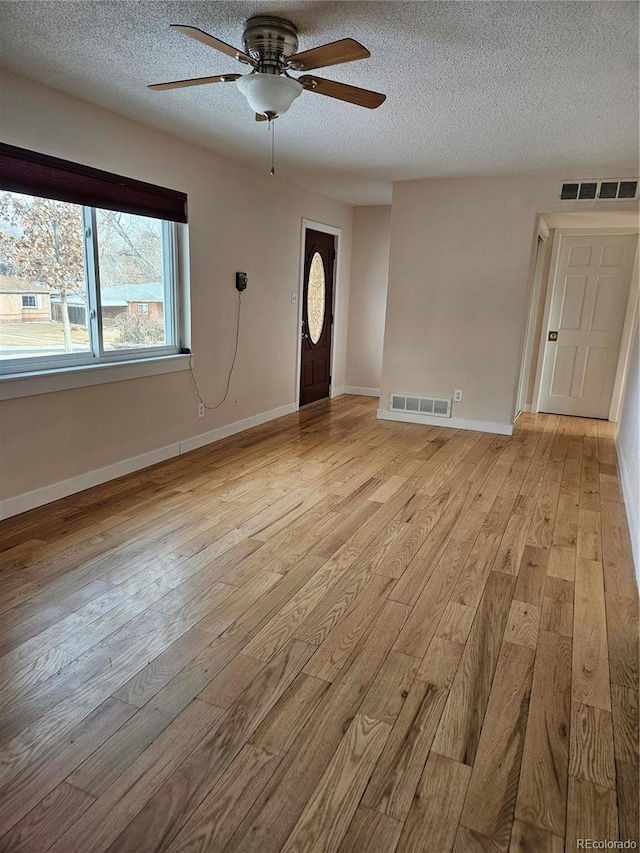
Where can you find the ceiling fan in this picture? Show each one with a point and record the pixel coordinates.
(270, 46)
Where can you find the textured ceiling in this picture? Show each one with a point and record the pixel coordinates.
(473, 88)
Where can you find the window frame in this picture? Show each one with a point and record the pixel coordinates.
(33, 296)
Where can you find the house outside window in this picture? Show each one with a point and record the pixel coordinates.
(22, 302)
(108, 276)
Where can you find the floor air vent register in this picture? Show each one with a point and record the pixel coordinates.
(438, 406)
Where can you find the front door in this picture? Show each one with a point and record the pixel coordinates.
(317, 317)
(588, 307)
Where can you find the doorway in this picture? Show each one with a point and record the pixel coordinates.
(317, 316)
(586, 306)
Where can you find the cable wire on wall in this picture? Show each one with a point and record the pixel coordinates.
(233, 363)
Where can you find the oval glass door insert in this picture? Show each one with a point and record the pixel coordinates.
(316, 298)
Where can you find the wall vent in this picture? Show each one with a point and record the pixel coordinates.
(608, 190)
(438, 406)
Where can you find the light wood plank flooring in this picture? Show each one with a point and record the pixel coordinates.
(329, 633)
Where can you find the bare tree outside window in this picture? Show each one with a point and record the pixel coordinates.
(130, 248)
(41, 241)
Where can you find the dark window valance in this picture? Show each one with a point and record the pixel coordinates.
(36, 174)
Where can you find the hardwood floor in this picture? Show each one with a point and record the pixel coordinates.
(329, 633)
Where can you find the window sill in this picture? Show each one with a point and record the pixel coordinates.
(15, 385)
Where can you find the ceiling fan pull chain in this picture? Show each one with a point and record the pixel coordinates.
(272, 125)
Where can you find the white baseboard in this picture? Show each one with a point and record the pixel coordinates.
(338, 391)
(231, 429)
(632, 509)
(47, 494)
(364, 392)
(452, 423)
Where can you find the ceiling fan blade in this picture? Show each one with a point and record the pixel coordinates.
(196, 81)
(212, 41)
(260, 117)
(345, 50)
(352, 94)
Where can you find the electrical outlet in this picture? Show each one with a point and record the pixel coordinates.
(200, 410)
(294, 298)
(457, 396)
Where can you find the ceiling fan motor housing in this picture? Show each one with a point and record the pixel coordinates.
(270, 41)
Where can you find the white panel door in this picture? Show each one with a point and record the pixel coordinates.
(588, 305)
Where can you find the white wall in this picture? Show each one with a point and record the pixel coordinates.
(459, 272)
(368, 298)
(239, 219)
(628, 447)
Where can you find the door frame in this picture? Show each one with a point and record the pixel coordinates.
(311, 225)
(625, 337)
(531, 317)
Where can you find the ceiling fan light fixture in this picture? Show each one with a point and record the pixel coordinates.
(270, 95)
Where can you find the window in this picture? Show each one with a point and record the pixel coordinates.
(316, 294)
(93, 264)
(106, 275)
